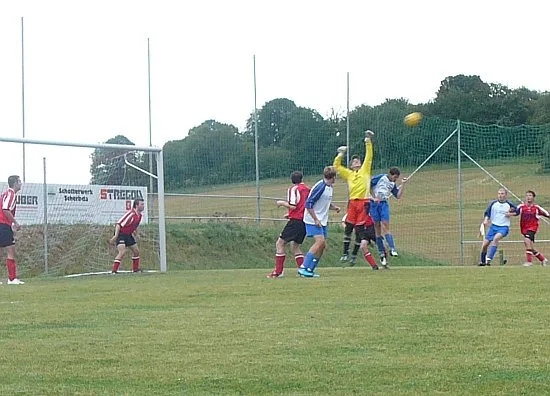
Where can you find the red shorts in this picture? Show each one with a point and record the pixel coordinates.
(358, 212)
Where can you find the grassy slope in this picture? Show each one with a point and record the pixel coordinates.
(425, 222)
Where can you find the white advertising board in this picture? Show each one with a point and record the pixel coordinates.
(75, 204)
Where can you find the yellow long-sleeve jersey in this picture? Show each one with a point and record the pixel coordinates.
(359, 180)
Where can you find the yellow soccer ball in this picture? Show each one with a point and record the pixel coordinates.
(413, 119)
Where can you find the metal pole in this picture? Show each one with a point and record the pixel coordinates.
(151, 190)
(460, 206)
(347, 119)
(256, 147)
(162, 214)
(45, 204)
(23, 92)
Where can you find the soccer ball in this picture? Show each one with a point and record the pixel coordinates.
(413, 119)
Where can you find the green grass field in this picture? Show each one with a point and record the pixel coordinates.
(409, 330)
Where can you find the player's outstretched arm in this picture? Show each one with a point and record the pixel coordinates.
(337, 163)
(369, 154)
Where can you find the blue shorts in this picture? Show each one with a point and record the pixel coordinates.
(494, 229)
(379, 211)
(312, 230)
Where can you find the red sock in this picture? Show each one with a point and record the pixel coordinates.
(135, 263)
(279, 263)
(529, 256)
(370, 259)
(116, 264)
(539, 256)
(299, 260)
(10, 264)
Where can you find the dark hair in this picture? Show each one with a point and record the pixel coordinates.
(531, 192)
(395, 171)
(136, 202)
(12, 180)
(296, 177)
(355, 156)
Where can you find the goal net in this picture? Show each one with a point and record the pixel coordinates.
(71, 198)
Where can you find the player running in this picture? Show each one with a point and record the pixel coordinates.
(498, 214)
(529, 213)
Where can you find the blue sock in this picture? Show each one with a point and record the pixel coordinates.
(492, 251)
(308, 261)
(315, 262)
(380, 244)
(483, 257)
(389, 239)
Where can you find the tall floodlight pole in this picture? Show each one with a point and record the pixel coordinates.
(150, 130)
(347, 118)
(23, 91)
(256, 147)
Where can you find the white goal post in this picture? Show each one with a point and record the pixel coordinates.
(130, 148)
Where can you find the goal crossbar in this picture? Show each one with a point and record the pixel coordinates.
(159, 177)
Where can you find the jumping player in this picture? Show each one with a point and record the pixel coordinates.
(358, 179)
(383, 186)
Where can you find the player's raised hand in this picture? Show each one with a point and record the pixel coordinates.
(342, 150)
(368, 134)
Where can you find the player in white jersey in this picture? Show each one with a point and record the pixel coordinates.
(383, 186)
(498, 215)
(318, 203)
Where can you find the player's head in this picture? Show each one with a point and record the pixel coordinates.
(393, 174)
(139, 204)
(14, 182)
(502, 194)
(355, 163)
(296, 177)
(329, 174)
(530, 196)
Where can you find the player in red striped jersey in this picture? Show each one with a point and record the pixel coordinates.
(8, 225)
(295, 229)
(125, 231)
(529, 213)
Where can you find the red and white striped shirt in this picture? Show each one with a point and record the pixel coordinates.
(129, 222)
(8, 203)
(297, 196)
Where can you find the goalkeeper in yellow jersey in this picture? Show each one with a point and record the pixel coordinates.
(358, 178)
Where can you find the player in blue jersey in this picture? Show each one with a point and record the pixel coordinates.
(383, 186)
(498, 215)
(318, 203)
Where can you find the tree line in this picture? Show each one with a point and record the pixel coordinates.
(291, 137)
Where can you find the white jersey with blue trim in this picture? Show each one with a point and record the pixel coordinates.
(383, 188)
(319, 199)
(497, 212)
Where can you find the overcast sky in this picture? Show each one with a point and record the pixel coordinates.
(86, 63)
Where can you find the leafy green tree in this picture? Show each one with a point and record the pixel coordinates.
(212, 153)
(540, 110)
(108, 165)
